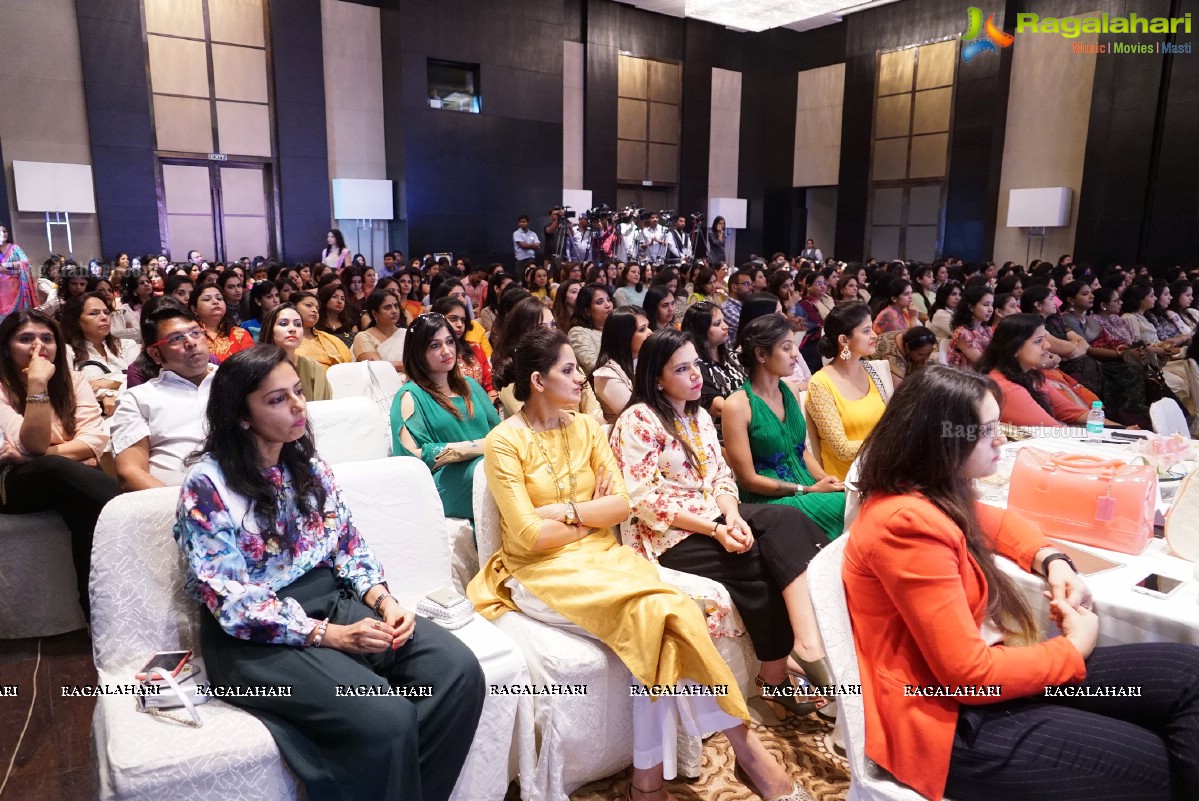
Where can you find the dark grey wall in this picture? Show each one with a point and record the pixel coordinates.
(464, 178)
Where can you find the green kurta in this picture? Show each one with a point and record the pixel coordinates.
(777, 447)
(431, 427)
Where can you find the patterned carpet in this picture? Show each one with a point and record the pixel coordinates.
(801, 744)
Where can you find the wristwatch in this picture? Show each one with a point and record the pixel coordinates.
(1053, 557)
(572, 517)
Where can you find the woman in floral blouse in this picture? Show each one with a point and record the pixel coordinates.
(686, 514)
(296, 596)
(971, 332)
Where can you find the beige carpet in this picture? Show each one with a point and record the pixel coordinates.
(801, 744)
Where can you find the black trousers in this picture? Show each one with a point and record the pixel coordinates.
(1090, 749)
(785, 540)
(71, 488)
(357, 748)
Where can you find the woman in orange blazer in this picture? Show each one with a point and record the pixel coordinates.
(963, 698)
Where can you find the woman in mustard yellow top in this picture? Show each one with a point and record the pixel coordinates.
(560, 492)
(847, 397)
(324, 349)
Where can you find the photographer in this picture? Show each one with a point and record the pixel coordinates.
(651, 242)
(557, 232)
(678, 244)
(580, 246)
(628, 232)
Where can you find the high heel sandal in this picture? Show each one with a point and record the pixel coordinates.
(784, 694)
(797, 792)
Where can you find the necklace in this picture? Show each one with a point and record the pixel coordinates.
(695, 439)
(549, 464)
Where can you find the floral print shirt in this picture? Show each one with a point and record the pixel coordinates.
(236, 571)
(660, 480)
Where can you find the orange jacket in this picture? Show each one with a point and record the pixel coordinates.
(917, 599)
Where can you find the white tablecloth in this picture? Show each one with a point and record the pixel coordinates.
(1125, 616)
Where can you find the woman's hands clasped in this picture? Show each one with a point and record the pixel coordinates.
(735, 535)
(371, 636)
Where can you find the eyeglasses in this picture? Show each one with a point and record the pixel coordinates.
(177, 340)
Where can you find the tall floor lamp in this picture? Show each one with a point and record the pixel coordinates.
(1036, 210)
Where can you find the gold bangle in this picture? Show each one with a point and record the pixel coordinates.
(41, 397)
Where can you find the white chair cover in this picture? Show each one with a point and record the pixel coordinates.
(37, 579)
(349, 430)
(1167, 418)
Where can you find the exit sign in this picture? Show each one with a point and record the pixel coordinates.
(217, 157)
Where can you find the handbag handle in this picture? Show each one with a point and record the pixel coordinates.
(1084, 463)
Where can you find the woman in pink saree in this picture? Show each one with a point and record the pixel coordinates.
(16, 281)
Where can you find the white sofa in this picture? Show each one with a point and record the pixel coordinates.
(139, 607)
(37, 578)
(584, 738)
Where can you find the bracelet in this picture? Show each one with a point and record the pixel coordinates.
(383, 596)
(320, 633)
(800, 489)
(573, 516)
(715, 526)
(1053, 557)
(41, 397)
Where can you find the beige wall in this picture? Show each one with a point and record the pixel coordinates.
(1046, 135)
(573, 56)
(819, 102)
(44, 116)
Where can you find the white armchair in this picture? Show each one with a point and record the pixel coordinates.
(139, 607)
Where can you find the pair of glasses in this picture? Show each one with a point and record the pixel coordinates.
(177, 340)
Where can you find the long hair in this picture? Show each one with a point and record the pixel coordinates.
(129, 288)
(225, 325)
(1010, 335)
(344, 318)
(842, 283)
(416, 348)
(696, 322)
(1033, 296)
(60, 387)
(536, 352)
(493, 291)
(892, 289)
(765, 333)
(909, 452)
(582, 315)
(616, 343)
(562, 312)
(1177, 288)
(72, 328)
(257, 293)
(375, 300)
(443, 307)
(654, 296)
(266, 334)
(651, 361)
(964, 313)
(624, 276)
(338, 239)
(510, 298)
(842, 320)
(525, 316)
(942, 301)
(236, 453)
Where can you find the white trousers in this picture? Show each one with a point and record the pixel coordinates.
(655, 721)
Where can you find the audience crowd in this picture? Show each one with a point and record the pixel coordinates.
(697, 415)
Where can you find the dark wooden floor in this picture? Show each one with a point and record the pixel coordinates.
(55, 758)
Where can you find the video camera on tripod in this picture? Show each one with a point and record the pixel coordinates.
(564, 212)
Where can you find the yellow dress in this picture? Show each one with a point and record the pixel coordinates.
(842, 424)
(325, 349)
(596, 583)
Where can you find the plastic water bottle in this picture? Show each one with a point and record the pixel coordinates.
(1095, 422)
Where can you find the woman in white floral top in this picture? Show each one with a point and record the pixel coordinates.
(680, 486)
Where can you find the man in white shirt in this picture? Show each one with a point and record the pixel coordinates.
(678, 244)
(812, 253)
(159, 423)
(651, 242)
(525, 244)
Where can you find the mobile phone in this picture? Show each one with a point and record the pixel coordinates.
(169, 661)
(1157, 585)
(444, 596)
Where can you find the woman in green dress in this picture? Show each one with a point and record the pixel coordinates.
(765, 433)
(441, 416)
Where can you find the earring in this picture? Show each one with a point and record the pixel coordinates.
(245, 426)
(659, 387)
(845, 354)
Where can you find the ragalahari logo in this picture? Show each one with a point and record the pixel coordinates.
(994, 38)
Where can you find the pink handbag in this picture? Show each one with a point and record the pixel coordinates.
(1085, 499)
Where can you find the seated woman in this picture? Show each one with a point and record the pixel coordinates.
(92, 349)
(473, 332)
(408, 283)
(53, 436)
(626, 329)
(931, 608)
(906, 351)
(224, 338)
(846, 398)
(232, 286)
(971, 332)
(895, 312)
(765, 434)
(659, 307)
(941, 314)
(263, 297)
(758, 304)
(384, 339)
(1169, 325)
(591, 310)
(565, 298)
(496, 285)
(1005, 304)
(126, 320)
(440, 416)
(630, 291)
(337, 317)
(686, 513)
(324, 349)
(704, 325)
(1031, 393)
(537, 281)
(283, 328)
(295, 595)
(705, 287)
(472, 362)
(560, 492)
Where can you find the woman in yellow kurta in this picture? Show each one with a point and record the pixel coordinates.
(324, 349)
(847, 397)
(560, 491)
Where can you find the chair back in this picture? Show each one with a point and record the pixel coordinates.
(352, 429)
(943, 351)
(1167, 418)
(354, 379)
(812, 439)
(487, 517)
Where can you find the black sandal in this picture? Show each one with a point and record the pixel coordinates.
(785, 694)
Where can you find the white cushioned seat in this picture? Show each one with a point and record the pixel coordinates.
(37, 578)
(351, 429)
(139, 607)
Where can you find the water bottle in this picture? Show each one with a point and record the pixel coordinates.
(1095, 422)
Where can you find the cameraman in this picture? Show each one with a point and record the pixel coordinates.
(678, 244)
(580, 245)
(651, 242)
(627, 232)
(557, 233)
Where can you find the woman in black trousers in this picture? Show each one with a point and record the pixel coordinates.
(52, 435)
(296, 598)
